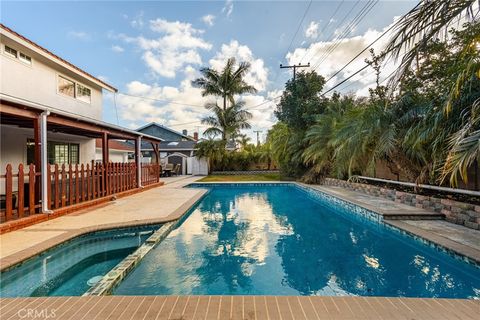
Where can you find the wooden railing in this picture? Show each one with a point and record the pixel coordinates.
(150, 173)
(24, 201)
(69, 185)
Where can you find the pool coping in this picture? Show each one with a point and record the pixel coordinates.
(456, 249)
(25, 255)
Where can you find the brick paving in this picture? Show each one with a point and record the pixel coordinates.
(237, 307)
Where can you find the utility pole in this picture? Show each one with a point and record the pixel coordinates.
(258, 136)
(294, 67)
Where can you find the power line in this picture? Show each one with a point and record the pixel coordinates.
(341, 22)
(299, 25)
(295, 34)
(348, 29)
(325, 28)
(369, 46)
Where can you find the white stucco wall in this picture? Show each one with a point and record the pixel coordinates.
(113, 156)
(38, 82)
(13, 148)
(13, 145)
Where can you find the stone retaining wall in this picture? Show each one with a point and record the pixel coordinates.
(235, 173)
(462, 213)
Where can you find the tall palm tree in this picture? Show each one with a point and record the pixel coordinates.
(226, 122)
(226, 83)
(427, 21)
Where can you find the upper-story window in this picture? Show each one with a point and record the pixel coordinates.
(13, 53)
(66, 87)
(24, 58)
(75, 90)
(83, 93)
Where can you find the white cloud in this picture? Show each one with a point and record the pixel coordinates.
(80, 35)
(312, 30)
(347, 48)
(177, 46)
(228, 8)
(209, 19)
(116, 48)
(137, 22)
(258, 75)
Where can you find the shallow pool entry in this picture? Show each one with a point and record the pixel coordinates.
(282, 240)
(72, 268)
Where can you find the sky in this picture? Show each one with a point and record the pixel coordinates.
(151, 51)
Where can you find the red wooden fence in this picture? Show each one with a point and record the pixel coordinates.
(69, 185)
(150, 173)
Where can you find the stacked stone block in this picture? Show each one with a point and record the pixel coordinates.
(457, 212)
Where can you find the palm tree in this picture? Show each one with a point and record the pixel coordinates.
(225, 84)
(226, 122)
(212, 150)
(424, 23)
(243, 140)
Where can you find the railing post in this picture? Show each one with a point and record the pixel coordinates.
(138, 160)
(21, 191)
(31, 189)
(8, 193)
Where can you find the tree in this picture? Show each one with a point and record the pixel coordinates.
(423, 24)
(212, 150)
(226, 122)
(301, 100)
(228, 119)
(225, 84)
(244, 141)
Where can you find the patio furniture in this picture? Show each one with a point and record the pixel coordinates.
(167, 171)
(176, 171)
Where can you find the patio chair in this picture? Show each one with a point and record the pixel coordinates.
(176, 171)
(167, 170)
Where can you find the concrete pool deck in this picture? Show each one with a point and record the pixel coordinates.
(168, 203)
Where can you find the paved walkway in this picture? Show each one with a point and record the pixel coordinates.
(239, 307)
(159, 204)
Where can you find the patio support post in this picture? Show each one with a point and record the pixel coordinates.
(37, 155)
(105, 160)
(138, 160)
(44, 162)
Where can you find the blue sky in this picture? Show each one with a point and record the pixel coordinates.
(154, 49)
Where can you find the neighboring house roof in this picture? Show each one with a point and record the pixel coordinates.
(177, 145)
(59, 60)
(116, 145)
(165, 128)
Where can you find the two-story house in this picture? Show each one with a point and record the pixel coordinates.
(50, 116)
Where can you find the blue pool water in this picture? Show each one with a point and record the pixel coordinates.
(279, 240)
(66, 269)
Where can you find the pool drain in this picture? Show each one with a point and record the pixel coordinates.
(93, 281)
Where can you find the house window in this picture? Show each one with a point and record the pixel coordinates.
(83, 93)
(24, 58)
(11, 52)
(66, 87)
(75, 90)
(58, 152)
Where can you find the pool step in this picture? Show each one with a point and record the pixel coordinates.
(417, 216)
(106, 285)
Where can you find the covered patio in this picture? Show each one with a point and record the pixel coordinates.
(36, 185)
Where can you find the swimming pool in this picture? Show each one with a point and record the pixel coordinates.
(71, 268)
(272, 239)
